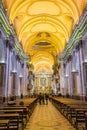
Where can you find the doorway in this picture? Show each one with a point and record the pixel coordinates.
(75, 84)
(2, 82)
(13, 84)
(85, 77)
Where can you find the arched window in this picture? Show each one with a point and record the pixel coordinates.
(2, 52)
(67, 70)
(13, 63)
(20, 71)
(75, 62)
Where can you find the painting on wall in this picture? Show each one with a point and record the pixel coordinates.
(43, 81)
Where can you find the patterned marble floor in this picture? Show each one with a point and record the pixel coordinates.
(47, 117)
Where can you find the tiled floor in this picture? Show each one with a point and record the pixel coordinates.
(47, 117)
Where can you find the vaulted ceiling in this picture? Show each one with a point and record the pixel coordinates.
(43, 27)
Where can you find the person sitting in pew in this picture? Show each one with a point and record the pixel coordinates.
(12, 101)
(21, 103)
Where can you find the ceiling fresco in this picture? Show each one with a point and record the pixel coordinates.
(43, 27)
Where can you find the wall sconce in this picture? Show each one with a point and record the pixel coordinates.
(74, 71)
(14, 71)
(85, 61)
(2, 62)
(66, 75)
(20, 76)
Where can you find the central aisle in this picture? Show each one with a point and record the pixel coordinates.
(47, 117)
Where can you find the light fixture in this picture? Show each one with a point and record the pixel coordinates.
(2, 62)
(14, 71)
(66, 75)
(74, 71)
(20, 76)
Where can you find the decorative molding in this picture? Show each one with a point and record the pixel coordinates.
(11, 36)
(75, 37)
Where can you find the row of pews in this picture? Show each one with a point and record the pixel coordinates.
(15, 116)
(75, 111)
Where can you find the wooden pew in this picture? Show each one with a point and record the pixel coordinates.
(86, 120)
(4, 124)
(19, 111)
(80, 117)
(27, 108)
(14, 120)
(72, 109)
(30, 103)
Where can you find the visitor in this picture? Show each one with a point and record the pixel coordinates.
(40, 98)
(46, 98)
(43, 98)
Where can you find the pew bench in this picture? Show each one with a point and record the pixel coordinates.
(25, 109)
(4, 124)
(14, 120)
(73, 110)
(21, 113)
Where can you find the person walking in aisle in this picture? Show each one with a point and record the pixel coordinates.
(46, 98)
(40, 98)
